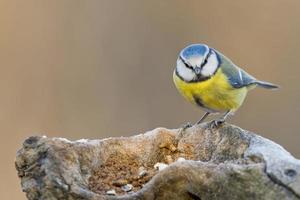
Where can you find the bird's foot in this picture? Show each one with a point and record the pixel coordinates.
(184, 127)
(217, 123)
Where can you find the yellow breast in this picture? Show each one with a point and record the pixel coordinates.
(215, 94)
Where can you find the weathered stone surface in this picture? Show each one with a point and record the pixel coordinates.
(223, 163)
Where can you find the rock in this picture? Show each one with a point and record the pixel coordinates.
(120, 182)
(169, 159)
(223, 163)
(127, 188)
(160, 166)
(142, 172)
(111, 192)
(180, 159)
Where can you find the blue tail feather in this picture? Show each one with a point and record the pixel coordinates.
(266, 85)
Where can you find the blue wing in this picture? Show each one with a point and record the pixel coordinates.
(237, 77)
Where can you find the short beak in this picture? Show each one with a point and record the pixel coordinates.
(197, 70)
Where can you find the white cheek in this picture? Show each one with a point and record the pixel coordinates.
(211, 65)
(186, 73)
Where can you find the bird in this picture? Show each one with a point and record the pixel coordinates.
(208, 79)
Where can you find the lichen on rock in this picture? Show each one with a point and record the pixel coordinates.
(199, 163)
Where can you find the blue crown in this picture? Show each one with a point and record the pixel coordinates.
(194, 50)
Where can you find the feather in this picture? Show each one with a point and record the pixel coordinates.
(238, 78)
(266, 85)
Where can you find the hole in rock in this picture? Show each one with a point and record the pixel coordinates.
(128, 167)
(290, 172)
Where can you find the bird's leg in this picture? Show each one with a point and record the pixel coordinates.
(189, 125)
(203, 117)
(221, 120)
(183, 128)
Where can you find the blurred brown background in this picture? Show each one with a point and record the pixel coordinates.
(92, 69)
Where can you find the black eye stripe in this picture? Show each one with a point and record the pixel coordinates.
(206, 58)
(187, 65)
(202, 64)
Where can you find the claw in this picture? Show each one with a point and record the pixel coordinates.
(220, 121)
(217, 123)
(184, 127)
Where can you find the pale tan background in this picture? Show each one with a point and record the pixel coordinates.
(92, 69)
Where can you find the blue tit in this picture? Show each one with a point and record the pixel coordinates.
(208, 79)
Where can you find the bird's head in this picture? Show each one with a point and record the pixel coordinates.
(197, 62)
